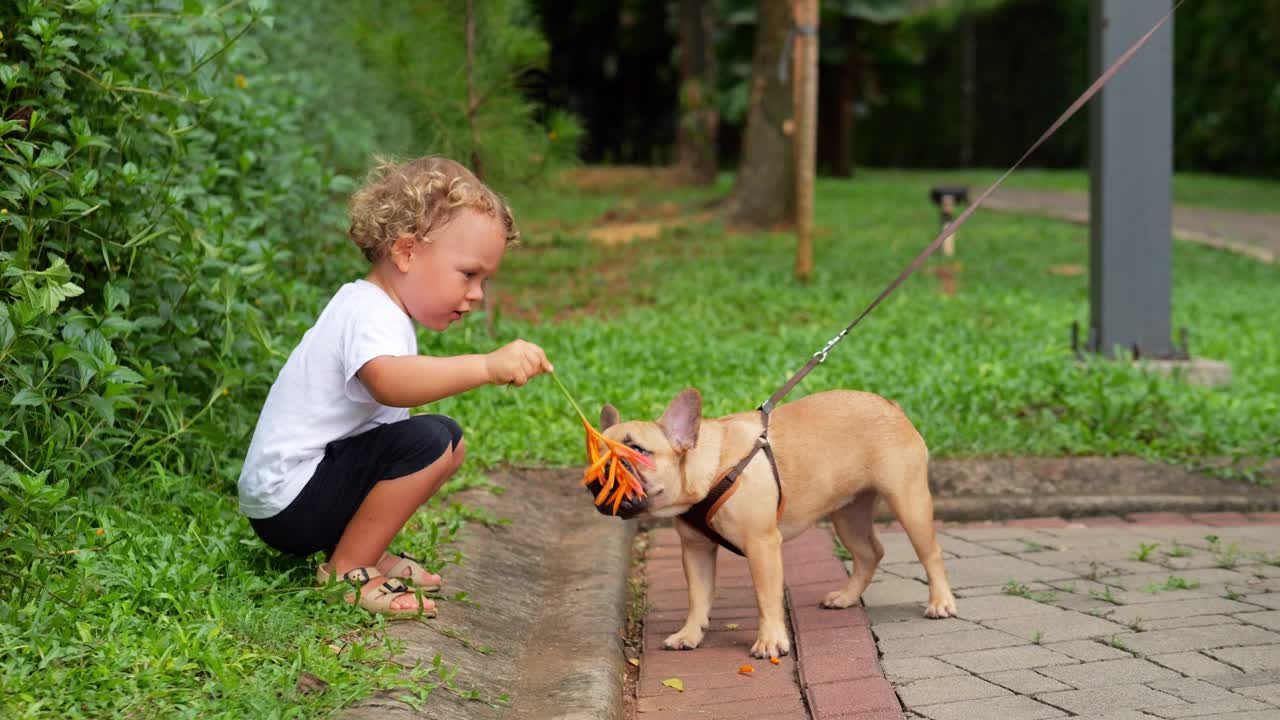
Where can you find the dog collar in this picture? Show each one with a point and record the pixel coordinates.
(699, 516)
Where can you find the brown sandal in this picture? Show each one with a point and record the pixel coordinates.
(379, 601)
(410, 568)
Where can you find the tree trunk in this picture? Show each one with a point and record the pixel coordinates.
(848, 88)
(764, 191)
(472, 103)
(699, 117)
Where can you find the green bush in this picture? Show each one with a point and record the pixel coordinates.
(171, 219)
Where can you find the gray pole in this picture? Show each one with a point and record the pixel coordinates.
(1130, 181)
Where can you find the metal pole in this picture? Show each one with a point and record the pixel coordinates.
(1130, 181)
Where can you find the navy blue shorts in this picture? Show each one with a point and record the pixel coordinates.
(350, 468)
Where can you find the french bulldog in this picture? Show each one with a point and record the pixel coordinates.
(837, 453)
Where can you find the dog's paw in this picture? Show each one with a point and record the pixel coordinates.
(941, 605)
(840, 599)
(771, 644)
(684, 640)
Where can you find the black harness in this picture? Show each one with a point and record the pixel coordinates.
(699, 516)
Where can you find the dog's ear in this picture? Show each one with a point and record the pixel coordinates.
(609, 417)
(681, 419)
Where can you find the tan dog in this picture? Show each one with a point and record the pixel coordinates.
(837, 452)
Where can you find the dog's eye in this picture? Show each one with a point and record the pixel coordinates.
(639, 449)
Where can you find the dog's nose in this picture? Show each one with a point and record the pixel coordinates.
(628, 508)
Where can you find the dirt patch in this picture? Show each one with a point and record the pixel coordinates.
(624, 178)
(1009, 487)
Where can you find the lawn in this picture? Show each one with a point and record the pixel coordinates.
(985, 369)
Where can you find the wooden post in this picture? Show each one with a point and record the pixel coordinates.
(948, 212)
(805, 16)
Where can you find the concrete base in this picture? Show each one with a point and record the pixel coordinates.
(1197, 371)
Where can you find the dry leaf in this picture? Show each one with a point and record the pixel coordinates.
(676, 683)
(634, 661)
(308, 683)
(1066, 270)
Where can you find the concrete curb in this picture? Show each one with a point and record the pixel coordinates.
(547, 601)
(574, 664)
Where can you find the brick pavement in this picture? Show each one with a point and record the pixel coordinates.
(1147, 616)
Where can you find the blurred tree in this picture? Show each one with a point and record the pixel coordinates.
(613, 65)
(699, 121)
(854, 65)
(764, 190)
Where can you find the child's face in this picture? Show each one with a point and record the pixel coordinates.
(440, 281)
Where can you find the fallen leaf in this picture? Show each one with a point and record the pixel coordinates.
(634, 661)
(1066, 270)
(731, 626)
(676, 683)
(746, 669)
(308, 683)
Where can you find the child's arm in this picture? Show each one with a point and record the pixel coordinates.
(413, 380)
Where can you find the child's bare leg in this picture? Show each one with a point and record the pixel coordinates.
(384, 511)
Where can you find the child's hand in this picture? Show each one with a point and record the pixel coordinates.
(515, 363)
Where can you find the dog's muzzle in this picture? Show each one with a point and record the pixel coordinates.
(629, 507)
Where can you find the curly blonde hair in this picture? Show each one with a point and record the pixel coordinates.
(416, 198)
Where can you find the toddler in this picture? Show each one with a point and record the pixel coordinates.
(336, 463)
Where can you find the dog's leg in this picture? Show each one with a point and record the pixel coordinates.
(698, 555)
(913, 505)
(764, 556)
(855, 526)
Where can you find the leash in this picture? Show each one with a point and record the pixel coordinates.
(699, 516)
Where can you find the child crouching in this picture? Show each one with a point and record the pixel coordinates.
(336, 463)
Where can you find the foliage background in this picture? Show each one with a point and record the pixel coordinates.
(1031, 62)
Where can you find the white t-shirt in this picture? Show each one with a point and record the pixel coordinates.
(317, 397)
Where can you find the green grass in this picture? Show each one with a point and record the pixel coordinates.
(175, 609)
(1190, 189)
(987, 371)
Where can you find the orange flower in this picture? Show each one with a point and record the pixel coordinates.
(607, 466)
(617, 482)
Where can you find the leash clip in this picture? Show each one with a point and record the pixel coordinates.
(826, 349)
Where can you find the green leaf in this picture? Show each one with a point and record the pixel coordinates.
(102, 407)
(116, 296)
(27, 397)
(124, 375)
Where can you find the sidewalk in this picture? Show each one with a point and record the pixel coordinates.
(1154, 615)
(1254, 234)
